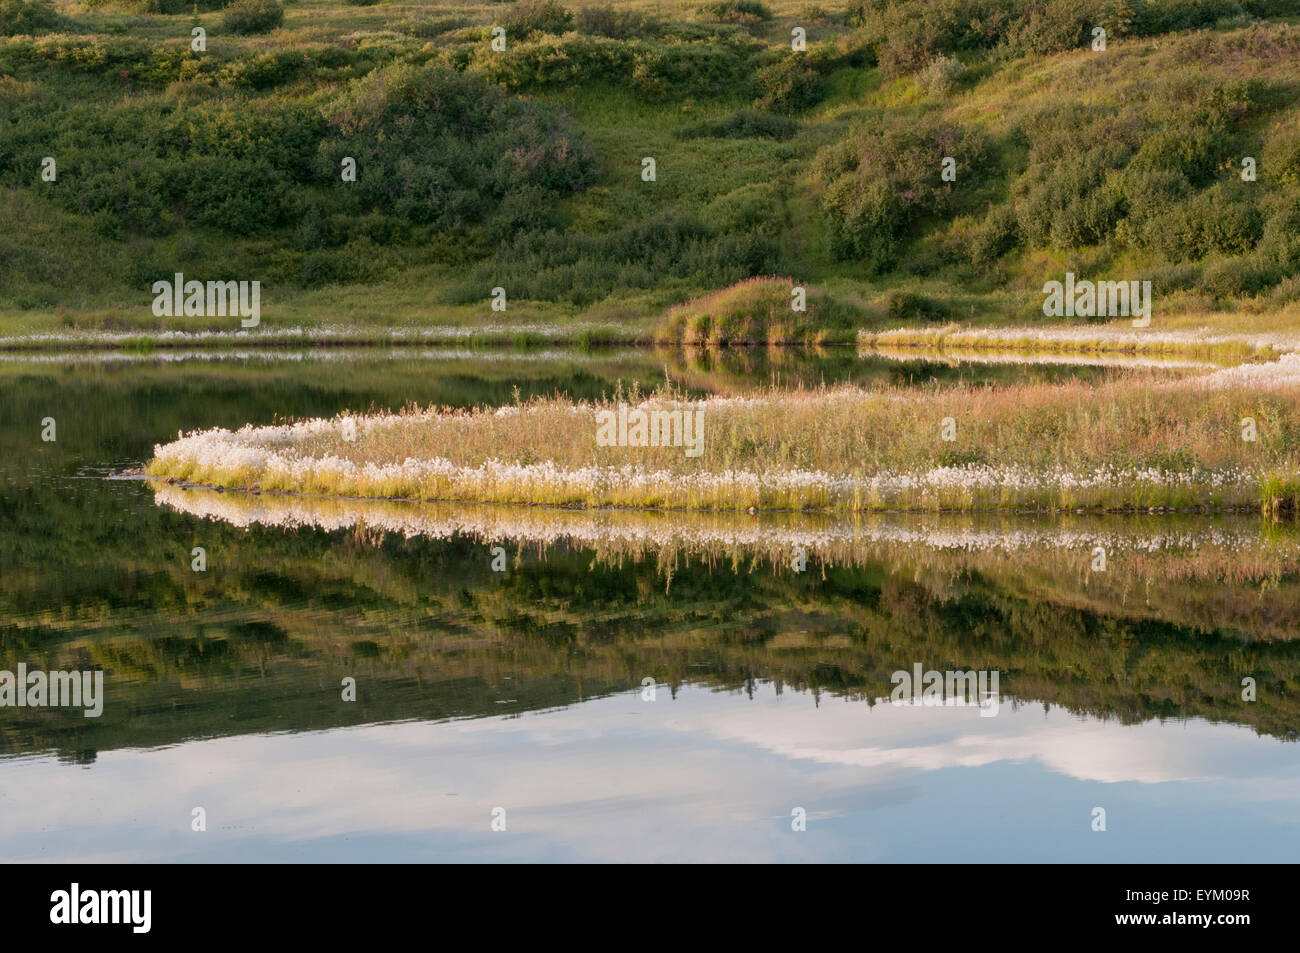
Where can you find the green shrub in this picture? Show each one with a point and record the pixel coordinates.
(1280, 161)
(19, 17)
(617, 24)
(905, 306)
(1222, 219)
(1280, 243)
(1286, 292)
(1167, 16)
(1052, 26)
(361, 3)
(536, 16)
(1235, 277)
(1193, 150)
(999, 234)
(444, 149)
(253, 16)
(751, 209)
(736, 11)
(940, 75)
(654, 70)
(1123, 18)
(885, 175)
(1069, 195)
(789, 85)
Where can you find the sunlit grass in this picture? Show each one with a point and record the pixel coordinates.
(1126, 444)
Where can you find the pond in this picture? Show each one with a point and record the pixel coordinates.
(611, 685)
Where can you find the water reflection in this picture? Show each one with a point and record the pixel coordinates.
(522, 688)
(703, 776)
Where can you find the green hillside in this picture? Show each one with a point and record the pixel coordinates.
(525, 169)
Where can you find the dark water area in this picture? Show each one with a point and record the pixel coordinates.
(624, 686)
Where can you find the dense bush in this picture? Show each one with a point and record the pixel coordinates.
(1052, 26)
(1280, 242)
(753, 209)
(940, 75)
(736, 11)
(885, 175)
(905, 306)
(253, 16)
(1234, 277)
(18, 17)
(145, 170)
(536, 16)
(1281, 159)
(435, 150)
(791, 84)
(617, 24)
(444, 149)
(654, 70)
(997, 235)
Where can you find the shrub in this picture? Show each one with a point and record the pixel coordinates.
(616, 24)
(1234, 277)
(1053, 26)
(1280, 243)
(998, 235)
(443, 149)
(1069, 195)
(1287, 292)
(941, 75)
(653, 69)
(789, 85)
(884, 176)
(1281, 158)
(361, 3)
(905, 306)
(1193, 150)
(253, 16)
(18, 17)
(905, 37)
(1124, 18)
(1221, 219)
(751, 209)
(736, 11)
(537, 16)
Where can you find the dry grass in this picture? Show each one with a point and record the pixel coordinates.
(1126, 444)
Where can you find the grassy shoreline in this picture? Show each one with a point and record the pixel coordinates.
(1122, 445)
(1206, 344)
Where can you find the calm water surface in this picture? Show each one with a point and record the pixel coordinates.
(523, 689)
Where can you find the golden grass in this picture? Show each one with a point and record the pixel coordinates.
(1131, 443)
